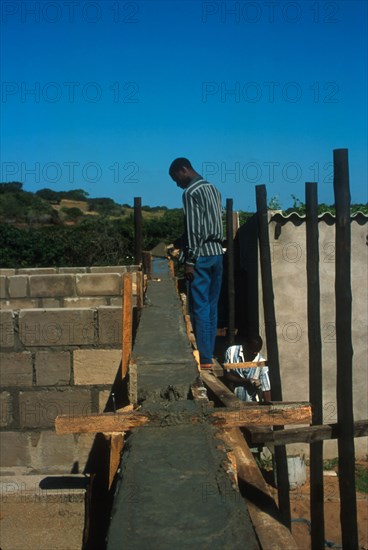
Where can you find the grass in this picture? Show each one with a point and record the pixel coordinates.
(361, 478)
(361, 473)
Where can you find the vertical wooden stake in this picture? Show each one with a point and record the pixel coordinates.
(116, 446)
(138, 230)
(283, 486)
(344, 352)
(315, 365)
(127, 323)
(139, 290)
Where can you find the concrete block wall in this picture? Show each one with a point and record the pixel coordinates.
(55, 360)
(63, 287)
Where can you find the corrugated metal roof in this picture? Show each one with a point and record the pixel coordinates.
(326, 217)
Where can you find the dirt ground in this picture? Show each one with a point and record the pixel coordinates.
(299, 500)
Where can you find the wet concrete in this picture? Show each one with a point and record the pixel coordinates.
(173, 490)
(162, 350)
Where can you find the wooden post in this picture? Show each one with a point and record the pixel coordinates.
(127, 323)
(137, 230)
(139, 290)
(315, 365)
(344, 351)
(147, 263)
(283, 487)
(230, 271)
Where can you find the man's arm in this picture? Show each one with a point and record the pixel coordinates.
(236, 379)
(193, 223)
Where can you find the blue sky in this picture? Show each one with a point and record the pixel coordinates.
(104, 95)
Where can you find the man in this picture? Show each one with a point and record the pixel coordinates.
(248, 384)
(201, 253)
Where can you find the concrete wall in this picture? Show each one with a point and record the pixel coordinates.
(288, 253)
(59, 358)
(68, 287)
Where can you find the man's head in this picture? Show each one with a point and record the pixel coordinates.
(182, 172)
(253, 343)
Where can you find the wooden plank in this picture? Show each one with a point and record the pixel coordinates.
(127, 323)
(262, 415)
(265, 517)
(344, 351)
(309, 434)
(315, 365)
(95, 423)
(244, 365)
(221, 391)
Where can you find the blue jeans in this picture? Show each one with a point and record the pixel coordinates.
(204, 295)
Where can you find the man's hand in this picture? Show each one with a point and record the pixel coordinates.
(171, 251)
(189, 272)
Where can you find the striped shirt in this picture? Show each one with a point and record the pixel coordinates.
(235, 354)
(203, 221)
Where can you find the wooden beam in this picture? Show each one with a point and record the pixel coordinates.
(95, 423)
(222, 392)
(245, 365)
(261, 415)
(309, 434)
(265, 516)
(127, 323)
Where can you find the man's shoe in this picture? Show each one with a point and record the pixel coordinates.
(206, 366)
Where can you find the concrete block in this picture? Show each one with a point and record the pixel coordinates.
(7, 271)
(110, 325)
(38, 409)
(6, 329)
(18, 286)
(118, 301)
(52, 303)
(84, 302)
(14, 450)
(52, 368)
(3, 286)
(97, 366)
(37, 271)
(16, 369)
(54, 453)
(132, 268)
(56, 327)
(72, 270)
(6, 409)
(15, 304)
(109, 269)
(51, 285)
(99, 284)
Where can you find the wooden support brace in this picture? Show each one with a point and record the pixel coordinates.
(276, 414)
(127, 322)
(116, 446)
(309, 434)
(271, 533)
(245, 365)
